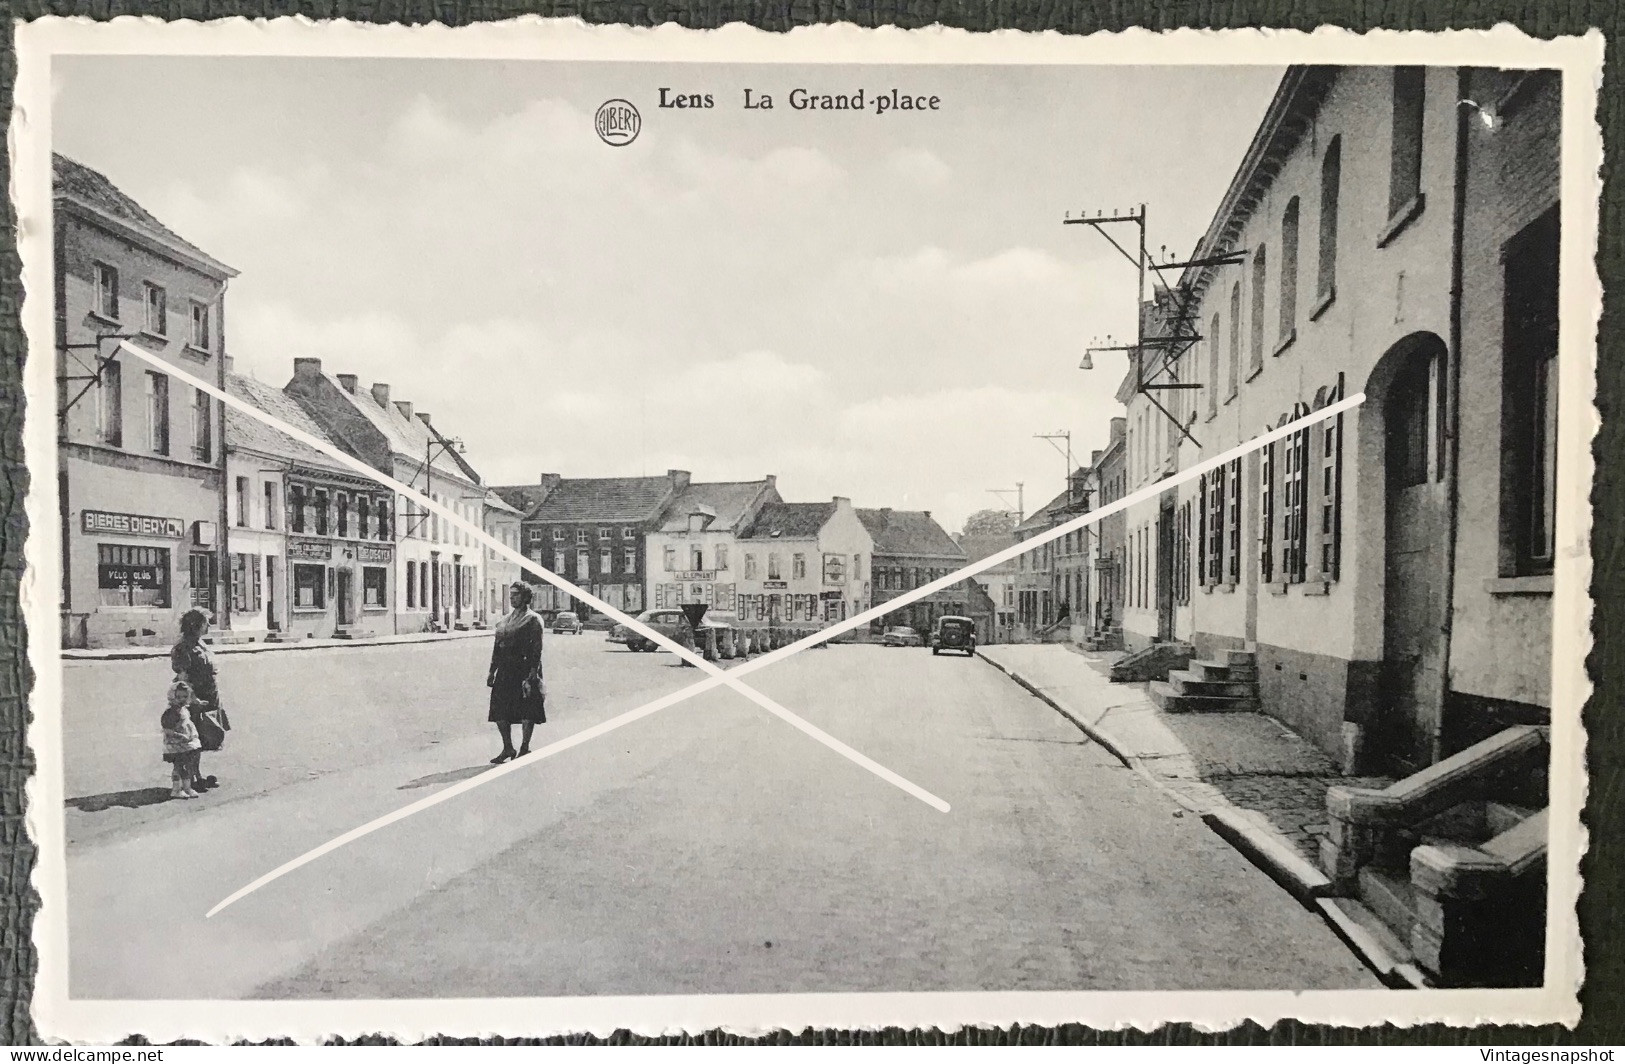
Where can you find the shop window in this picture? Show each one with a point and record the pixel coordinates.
(158, 413)
(1529, 399)
(157, 323)
(1405, 160)
(132, 576)
(1288, 309)
(110, 405)
(106, 291)
(1331, 179)
(309, 586)
(374, 582)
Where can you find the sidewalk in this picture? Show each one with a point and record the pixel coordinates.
(1250, 778)
(132, 653)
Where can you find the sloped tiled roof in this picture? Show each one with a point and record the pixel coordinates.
(75, 180)
(790, 520)
(729, 500)
(978, 547)
(908, 532)
(245, 432)
(522, 497)
(1043, 517)
(408, 437)
(606, 499)
(495, 501)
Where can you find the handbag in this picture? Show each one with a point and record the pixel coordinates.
(211, 727)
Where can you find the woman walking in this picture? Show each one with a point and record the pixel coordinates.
(515, 678)
(193, 663)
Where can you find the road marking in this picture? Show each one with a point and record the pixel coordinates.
(718, 676)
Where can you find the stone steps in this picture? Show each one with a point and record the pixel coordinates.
(1171, 701)
(1228, 685)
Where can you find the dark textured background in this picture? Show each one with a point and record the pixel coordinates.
(1601, 998)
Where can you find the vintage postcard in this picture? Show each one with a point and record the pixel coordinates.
(542, 528)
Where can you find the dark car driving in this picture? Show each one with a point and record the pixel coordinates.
(954, 633)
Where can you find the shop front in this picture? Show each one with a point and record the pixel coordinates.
(338, 590)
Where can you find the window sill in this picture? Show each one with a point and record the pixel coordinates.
(196, 354)
(1229, 398)
(1258, 367)
(148, 334)
(1401, 219)
(1286, 341)
(1207, 589)
(312, 610)
(1277, 589)
(1317, 588)
(375, 609)
(1227, 589)
(1519, 585)
(96, 315)
(1327, 298)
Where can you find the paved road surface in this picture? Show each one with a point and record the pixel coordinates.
(709, 848)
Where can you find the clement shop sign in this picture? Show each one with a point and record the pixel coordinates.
(134, 524)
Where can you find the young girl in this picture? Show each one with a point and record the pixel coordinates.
(181, 744)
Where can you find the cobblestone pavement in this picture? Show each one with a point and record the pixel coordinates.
(1247, 760)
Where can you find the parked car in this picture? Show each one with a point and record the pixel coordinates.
(901, 636)
(954, 633)
(598, 622)
(619, 634)
(670, 622)
(565, 621)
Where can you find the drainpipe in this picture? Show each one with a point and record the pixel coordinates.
(1453, 404)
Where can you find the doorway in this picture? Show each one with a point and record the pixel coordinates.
(344, 598)
(1165, 569)
(271, 598)
(1416, 527)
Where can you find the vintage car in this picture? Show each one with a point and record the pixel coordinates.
(672, 622)
(901, 636)
(954, 633)
(565, 621)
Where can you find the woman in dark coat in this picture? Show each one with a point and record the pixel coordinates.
(192, 662)
(515, 678)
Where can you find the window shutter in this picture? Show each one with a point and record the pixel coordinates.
(1201, 533)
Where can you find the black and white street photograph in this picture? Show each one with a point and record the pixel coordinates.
(551, 531)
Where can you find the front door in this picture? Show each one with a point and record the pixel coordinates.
(344, 598)
(1165, 570)
(271, 624)
(1414, 610)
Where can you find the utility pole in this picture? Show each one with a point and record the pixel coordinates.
(1179, 303)
(1066, 436)
(1002, 495)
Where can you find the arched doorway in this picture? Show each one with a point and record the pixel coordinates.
(1410, 383)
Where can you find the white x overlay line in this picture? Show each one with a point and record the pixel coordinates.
(717, 676)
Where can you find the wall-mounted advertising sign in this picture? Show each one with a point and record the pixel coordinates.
(316, 549)
(123, 524)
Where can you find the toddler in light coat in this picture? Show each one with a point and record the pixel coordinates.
(182, 747)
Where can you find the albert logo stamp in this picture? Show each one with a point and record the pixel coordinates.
(617, 123)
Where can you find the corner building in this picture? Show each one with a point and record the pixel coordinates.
(140, 459)
(1391, 567)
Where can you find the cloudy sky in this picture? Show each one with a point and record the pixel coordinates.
(884, 307)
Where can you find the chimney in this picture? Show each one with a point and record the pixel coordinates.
(425, 419)
(380, 395)
(306, 368)
(227, 361)
(348, 381)
(550, 480)
(679, 478)
(772, 480)
(1094, 459)
(405, 409)
(842, 502)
